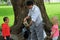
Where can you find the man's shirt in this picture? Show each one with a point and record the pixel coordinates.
(35, 15)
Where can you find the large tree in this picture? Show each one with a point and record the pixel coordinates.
(20, 12)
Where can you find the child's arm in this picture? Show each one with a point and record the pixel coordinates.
(52, 33)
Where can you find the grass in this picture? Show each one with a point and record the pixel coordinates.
(3, 3)
(6, 11)
(52, 10)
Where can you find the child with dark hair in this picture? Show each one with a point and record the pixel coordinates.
(6, 29)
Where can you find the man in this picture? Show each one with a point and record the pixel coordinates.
(35, 24)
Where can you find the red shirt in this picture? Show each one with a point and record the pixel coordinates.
(5, 30)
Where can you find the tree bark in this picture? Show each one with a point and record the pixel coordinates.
(20, 13)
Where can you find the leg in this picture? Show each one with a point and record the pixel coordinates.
(8, 38)
(29, 38)
(39, 32)
(33, 33)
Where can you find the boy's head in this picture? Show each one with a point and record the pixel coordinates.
(6, 19)
(29, 4)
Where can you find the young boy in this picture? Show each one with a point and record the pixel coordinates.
(6, 29)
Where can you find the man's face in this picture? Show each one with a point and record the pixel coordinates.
(30, 6)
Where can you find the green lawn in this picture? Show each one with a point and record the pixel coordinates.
(52, 10)
(6, 11)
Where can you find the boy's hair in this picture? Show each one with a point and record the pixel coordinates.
(5, 18)
(28, 3)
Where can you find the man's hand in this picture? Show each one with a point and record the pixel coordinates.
(28, 26)
(24, 19)
(5, 38)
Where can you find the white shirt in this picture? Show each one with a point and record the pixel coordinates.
(35, 15)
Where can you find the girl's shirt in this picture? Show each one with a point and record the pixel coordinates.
(55, 28)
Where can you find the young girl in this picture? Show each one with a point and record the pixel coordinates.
(6, 29)
(54, 29)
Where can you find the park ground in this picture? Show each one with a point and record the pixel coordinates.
(51, 9)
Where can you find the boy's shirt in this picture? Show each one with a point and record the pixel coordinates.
(55, 27)
(5, 30)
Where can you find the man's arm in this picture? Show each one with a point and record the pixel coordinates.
(26, 18)
(30, 24)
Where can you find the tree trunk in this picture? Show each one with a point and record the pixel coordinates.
(20, 13)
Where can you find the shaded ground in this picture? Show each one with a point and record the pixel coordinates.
(13, 37)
